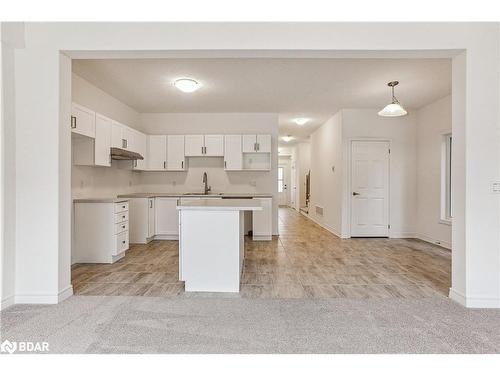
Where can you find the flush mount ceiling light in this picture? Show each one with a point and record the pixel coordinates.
(187, 84)
(301, 120)
(394, 109)
(287, 138)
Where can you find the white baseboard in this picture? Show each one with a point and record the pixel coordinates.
(6, 302)
(474, 302)
(167, 237)
(423, 237)
(65, 293)
(325, 226)
(402, 235)
(44, 299)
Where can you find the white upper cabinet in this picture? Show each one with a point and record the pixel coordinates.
(82, 120)
(140, 145)
(157, 152)
(175, 153)
(204, 145)
(214, 145)
(249, 143)
(194, 145)
(233, 157)
(116, 135)
(102, 143)
(257, 143)
(263, 143)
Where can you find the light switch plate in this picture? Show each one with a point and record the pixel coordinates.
(495, 187)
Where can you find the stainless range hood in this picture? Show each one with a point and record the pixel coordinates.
(120, 154)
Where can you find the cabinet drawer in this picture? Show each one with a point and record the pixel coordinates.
(121, 227)
(121, 217)
(121, 242)
(120, 207)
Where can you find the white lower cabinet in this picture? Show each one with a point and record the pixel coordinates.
(263, 221)
(142, 220)
(101, 231)
(166, 218)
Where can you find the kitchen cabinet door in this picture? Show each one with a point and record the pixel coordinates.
(102, 143)
(151, 217)
(140, 146)
(116, 135)
(264, 143)
(157, 152)
(175, 153)
(128, 139)
(214, 145)
(262, 220)
(166, 217)
(194, 145)
(233, 157)
(82, 120)
(249, 143)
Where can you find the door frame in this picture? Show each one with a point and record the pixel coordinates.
(348, 191)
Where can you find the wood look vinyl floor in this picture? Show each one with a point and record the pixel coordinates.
(306, 261)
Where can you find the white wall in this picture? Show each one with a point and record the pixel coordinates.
(433, 121)
(303, 166)
(326, 174)
(473, 46)
(94, 182)
(401, 131)
(220, 180)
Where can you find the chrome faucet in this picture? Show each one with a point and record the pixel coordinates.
(205, 181)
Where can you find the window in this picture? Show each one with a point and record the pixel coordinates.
(446, 182)
(281, 174)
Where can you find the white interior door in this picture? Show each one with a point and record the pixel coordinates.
(370, 189)
(283, 184)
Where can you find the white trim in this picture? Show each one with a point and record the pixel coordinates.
(167, 237)
(402, 235)
(48, 299)
(475, 302)
(65, 293)
(6, 302)
(325, 226)
(445, 221)
(423, 237)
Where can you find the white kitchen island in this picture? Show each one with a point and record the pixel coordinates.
(211, 243)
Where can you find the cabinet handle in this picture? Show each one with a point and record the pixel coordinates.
(135, 163)
(255, 146)
(164, 165)
(258, 146)
(182, 164)
(225, 164)
(123, 226)
(150, 204)
(73, 122)
(123, 217)
(123, 242)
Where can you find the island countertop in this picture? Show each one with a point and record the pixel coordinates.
(220, 205)
(195, 195)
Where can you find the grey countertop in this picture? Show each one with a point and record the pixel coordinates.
(100, 200)
(193, 195)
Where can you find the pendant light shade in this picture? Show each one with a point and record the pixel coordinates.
(394, 109)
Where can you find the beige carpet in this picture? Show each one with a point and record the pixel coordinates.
(235, 325)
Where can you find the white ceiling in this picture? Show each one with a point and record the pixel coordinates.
(305, 87)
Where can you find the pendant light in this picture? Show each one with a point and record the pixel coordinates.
(394, 109)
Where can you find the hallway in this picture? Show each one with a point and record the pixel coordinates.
(305, 261)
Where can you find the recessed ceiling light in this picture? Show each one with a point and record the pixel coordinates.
(187, 84)
(287, 138)
(301, 120)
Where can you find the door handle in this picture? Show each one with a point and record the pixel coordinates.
(73, 122)
(355, 193)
